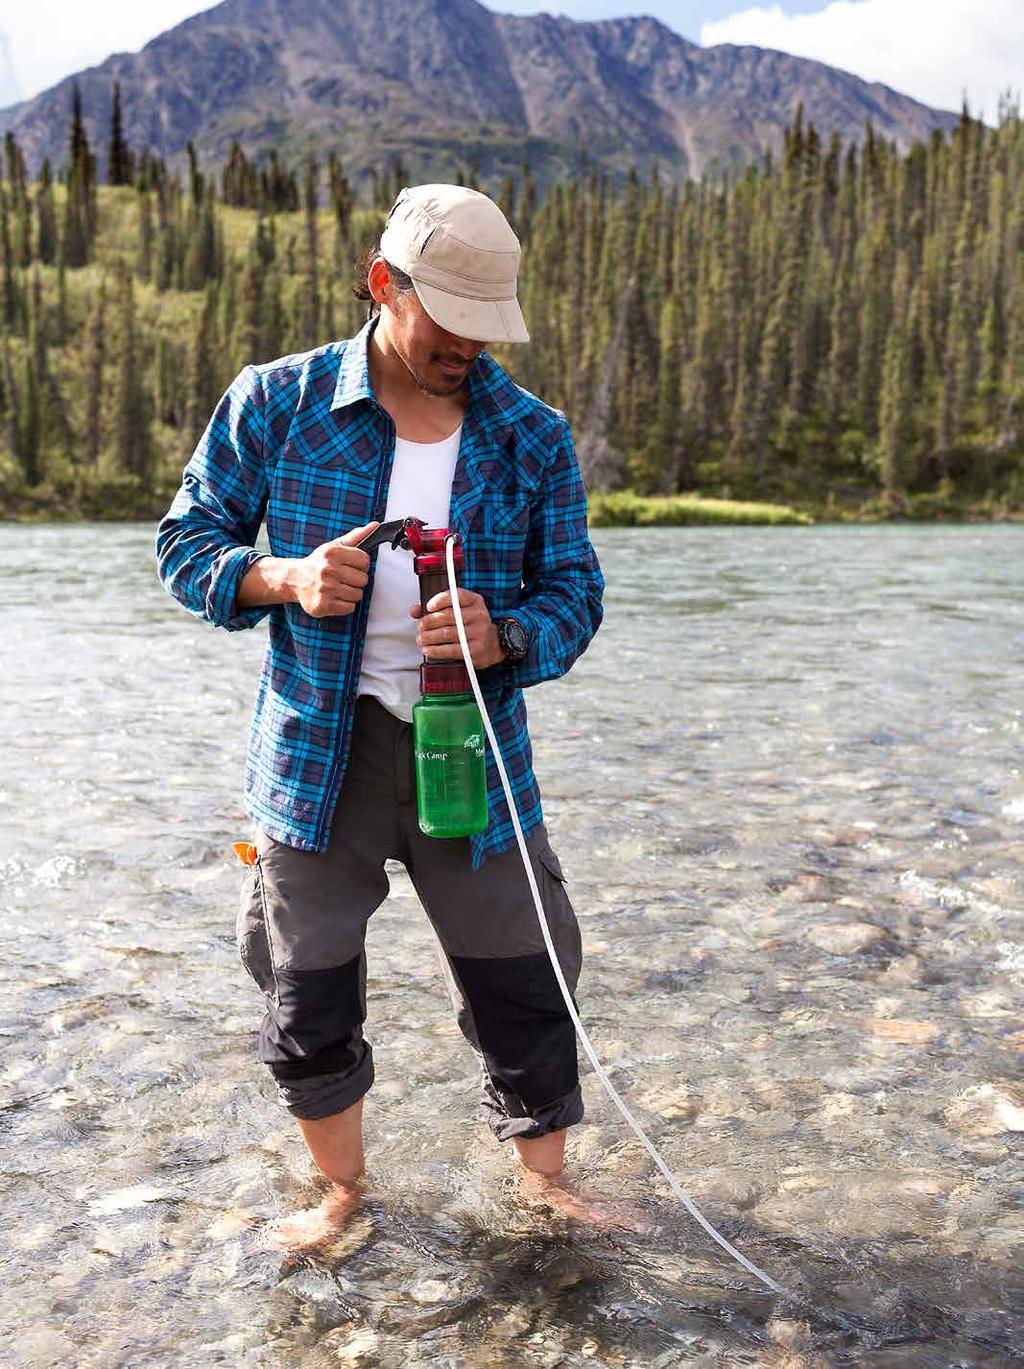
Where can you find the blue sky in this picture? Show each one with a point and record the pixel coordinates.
(685, 16)
(935, 50)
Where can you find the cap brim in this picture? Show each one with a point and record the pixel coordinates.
(480, 320)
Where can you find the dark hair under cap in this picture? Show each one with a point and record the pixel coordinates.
(361, 284)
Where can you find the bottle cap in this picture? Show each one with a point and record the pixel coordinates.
(444, 677)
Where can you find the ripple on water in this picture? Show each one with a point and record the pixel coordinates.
(793, 844)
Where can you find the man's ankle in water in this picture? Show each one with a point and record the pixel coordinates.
(335, 1144)
(543, 1156)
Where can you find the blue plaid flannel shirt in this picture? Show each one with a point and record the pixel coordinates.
(303, 443)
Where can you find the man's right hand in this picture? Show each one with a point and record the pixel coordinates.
(329, 582)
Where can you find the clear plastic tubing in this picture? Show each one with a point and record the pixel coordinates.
(609, 1087)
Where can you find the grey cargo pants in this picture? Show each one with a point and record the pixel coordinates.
(301, 929)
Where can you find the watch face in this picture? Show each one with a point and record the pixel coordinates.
(514, 637)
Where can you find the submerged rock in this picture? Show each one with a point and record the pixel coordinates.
(905, 1032)
(862, 1204)
(515, 1321)
(229, 1224)
(846, 938)
(989, 1003)
(794, 1335)
(121, 1199)
(904, 971)
(358, 1347)
(839, 1107)
(672, 1102)
(985, 1110)
(428, 1291)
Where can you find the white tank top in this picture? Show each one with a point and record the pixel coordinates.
(421, 486)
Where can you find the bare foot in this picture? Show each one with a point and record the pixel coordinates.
(555, 1191)
(316, 1227)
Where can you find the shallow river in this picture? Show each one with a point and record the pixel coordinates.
(786, 786)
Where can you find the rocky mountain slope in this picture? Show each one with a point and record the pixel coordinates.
(444, 81)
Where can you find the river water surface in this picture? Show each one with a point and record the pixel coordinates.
(786, 786)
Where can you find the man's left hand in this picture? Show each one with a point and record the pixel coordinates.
(438, 637)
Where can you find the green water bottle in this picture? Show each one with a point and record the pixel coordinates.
(448, 741)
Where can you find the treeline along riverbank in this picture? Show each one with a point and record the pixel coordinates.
(840, 328)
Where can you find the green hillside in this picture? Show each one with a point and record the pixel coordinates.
(841, 330)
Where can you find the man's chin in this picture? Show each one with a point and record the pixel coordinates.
(439, 389)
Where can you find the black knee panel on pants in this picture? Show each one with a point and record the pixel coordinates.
(314, 1024)
(525, 1033)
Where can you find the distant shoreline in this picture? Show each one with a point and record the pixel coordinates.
(621, 508)
(626, 509)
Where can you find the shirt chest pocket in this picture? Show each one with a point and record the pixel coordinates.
(495, 546)
(504, 520)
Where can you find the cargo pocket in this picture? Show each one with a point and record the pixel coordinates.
(565, 929)
(252, 932)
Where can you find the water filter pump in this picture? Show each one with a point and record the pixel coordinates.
(448, 735)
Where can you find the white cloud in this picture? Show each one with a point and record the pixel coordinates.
(9, 88)
(47, 39)
(934, 50)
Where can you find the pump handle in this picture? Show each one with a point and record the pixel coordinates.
(395, 532)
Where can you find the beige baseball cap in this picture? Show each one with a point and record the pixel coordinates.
(463, 258)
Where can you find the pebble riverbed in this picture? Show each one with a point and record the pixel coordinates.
(786, 787)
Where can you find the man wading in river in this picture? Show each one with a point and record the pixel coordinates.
(410, 416)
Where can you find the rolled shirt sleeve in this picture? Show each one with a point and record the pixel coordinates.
(204, 543)
(560, 606)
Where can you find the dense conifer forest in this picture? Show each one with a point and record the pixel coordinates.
(840, 327)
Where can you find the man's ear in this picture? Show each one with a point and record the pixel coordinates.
(379, 279)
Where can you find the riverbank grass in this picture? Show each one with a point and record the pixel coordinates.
(623, 508)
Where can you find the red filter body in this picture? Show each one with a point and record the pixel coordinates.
(421, 540)
(429, 561)
(430, 564)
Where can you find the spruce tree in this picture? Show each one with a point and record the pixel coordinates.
(168, 373)
(227, 306)
(202, 369)
(144, 258)
(309, 318)
(7, 264)
(895, 412)
(20, 204)
(250, 345)
(95, 376)
(62, 322)
(238, 179)
(274, 320)
(11, 410)
(46, 216)
(667, 465)
(131, 419)
(29, 422)
(119, 159)
(342, 200)
(79, 210)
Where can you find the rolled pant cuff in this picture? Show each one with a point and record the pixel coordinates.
(563, 1112)
(322, 1095)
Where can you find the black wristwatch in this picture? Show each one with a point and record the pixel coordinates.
(512, 639)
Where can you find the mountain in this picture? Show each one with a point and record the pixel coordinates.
(442, 81)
